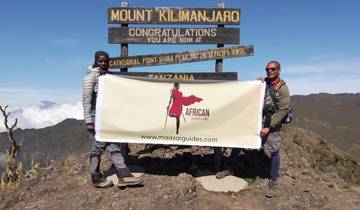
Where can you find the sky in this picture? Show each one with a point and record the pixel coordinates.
(46, 46)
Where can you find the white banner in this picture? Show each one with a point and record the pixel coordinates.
(226, 114)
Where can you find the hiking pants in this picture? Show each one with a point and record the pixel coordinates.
(271, 147)
(118, 154)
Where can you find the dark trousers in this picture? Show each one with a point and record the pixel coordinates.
(118, 154)
(271, 147)
(274, 166)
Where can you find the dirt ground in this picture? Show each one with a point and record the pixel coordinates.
(170, 183)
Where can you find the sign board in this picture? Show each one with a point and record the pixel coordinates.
(183, 57)
(165, 15)
(182, 76)
(174, 35)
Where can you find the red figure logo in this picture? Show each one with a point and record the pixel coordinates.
(177, 101)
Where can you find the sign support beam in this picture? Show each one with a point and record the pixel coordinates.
(219, 62)
(124, 46)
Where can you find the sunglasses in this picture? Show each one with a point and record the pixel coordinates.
(270, 69)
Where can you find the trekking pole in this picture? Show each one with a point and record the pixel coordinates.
(183, 116)
(167, 109)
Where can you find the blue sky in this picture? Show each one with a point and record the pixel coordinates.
(46, 46)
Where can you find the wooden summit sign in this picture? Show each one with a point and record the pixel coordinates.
(219, 35)
(165, 15)
(183, 57)
(182, 76)
(174, 35)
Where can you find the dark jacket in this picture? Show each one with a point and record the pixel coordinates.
(282, 97)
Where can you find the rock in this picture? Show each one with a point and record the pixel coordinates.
(186, 184)
(306, 172)
(31, 174)
(227, 184)
(76, 169)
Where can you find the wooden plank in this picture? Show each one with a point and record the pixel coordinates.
(183, 76)
(174, 35)
(166, 15)
(183, 57)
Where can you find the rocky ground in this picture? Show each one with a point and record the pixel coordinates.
(314, 175)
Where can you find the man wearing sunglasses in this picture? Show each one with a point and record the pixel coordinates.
(276, 107)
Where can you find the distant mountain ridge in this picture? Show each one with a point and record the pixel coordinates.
(335, 117)
(44, 114)
(51, 143)
(46, 104)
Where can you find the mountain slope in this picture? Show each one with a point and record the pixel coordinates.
(333, 116)
(313, 176)
(51, 143)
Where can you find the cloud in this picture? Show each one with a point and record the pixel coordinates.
(323, 76)
(44, 113)
(72, 63)
(329, 67)
(17, 97)
(305, 86)
(65, 41)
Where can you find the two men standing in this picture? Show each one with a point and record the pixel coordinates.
(276, 107)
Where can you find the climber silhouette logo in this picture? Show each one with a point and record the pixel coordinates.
(176, 103)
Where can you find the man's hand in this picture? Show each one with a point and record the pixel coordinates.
(261, 79)
(264, 132)
(90, 128)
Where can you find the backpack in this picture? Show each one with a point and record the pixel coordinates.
(289, 117)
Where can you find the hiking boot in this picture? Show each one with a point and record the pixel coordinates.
(127, 179)
(130, 181)
(272, 189)
(100, 182)
(223, 174)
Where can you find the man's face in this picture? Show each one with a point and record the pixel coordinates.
(103, 62)
(272, 71)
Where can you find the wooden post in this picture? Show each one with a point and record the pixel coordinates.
(219, 62)
(124, 53)
(124, 46)
(218, 68)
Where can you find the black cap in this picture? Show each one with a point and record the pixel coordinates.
(98, 53)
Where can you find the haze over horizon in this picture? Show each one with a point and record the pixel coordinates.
(47, 113)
